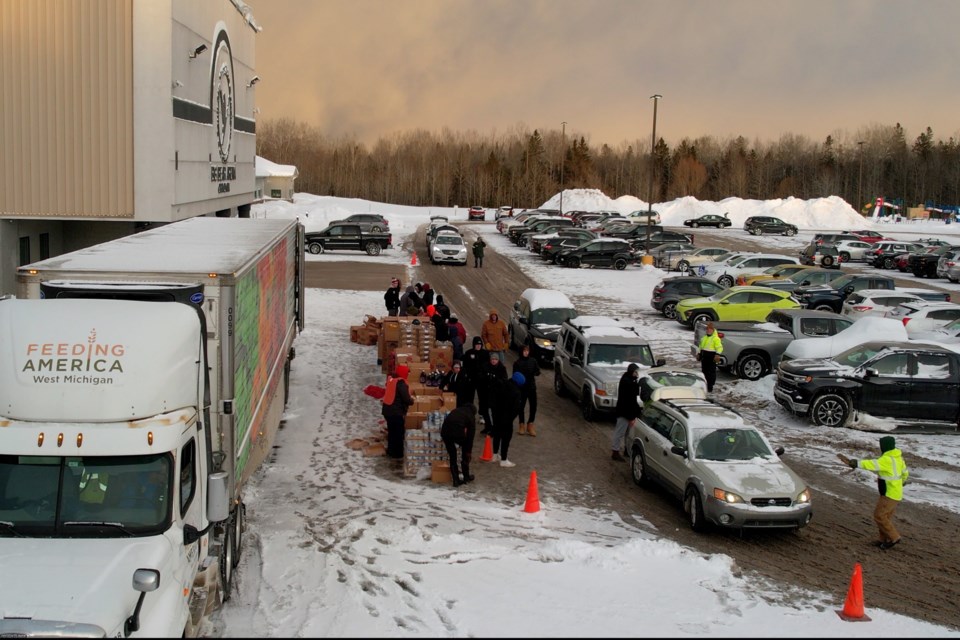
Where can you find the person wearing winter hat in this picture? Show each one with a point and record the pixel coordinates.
(461, 330)
(492, 371)
(505, 401)
(456, 381)
(410, 302)
(530, 368)
(627, 409)
(396, 401)
(427, 295)
(495, 334)
(457, 432)
(453, 336)
(891, 473)
(391, 299)
(473, 358)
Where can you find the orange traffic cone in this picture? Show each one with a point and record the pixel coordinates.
(533, 497)
(413, 259)
(487, 450)
(853, 607)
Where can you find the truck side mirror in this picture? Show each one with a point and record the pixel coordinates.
(575, 361)
(218, 500)
(144, 581)
(523, 320)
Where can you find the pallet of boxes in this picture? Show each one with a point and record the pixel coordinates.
(411, 341)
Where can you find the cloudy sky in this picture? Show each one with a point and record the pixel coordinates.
(757, 68)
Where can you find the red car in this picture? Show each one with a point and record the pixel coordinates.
(867, 235)
(477, 213)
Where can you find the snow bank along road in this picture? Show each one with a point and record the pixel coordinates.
(572, 458)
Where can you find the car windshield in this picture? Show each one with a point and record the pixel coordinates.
(620, 354)
(720, 295)
(735, 261)
(729, 444)
(843, 281)
(856, 356)
(722, 256)
(103, 496)
(551, 316)
(441, 239)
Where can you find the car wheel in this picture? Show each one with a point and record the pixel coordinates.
(827, 261)
(888, 263)
(669, 310)
(558, 387)
(700, 317)
(694, 507)
(695, 225)
(725, 281)
(373, 249)
(619, 264)
(683, 266)
(754, 232)
(573, 263)
(830, 410)
(638, 467)
(376, 229)
(790, 232)
(752, 367)
(586, 406)
(823, 307)
(315, 248)
(844, 256)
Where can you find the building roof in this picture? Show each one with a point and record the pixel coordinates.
(267, 169)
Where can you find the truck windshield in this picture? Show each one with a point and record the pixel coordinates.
(68, 497)
(620, 354)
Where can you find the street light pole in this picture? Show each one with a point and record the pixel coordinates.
(563, 158)
(860, 178)
(653, 146)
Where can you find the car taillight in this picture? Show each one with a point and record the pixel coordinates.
(389, 238)
(905, 321)
(861, 308)
(660, 290)
(720, 334)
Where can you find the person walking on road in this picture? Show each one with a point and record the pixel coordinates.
(391, 299)
(491, 372)
(478, 246)
(627, 409)
(708, 353)
(530, 369)
(505, 400)
(396, 401)
(495, 334)
(891, 473)
(457, 432)
(473, 361)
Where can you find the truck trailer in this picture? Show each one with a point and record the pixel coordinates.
(142, 382)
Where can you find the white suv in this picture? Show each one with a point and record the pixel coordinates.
(924, 316)
(725, 273)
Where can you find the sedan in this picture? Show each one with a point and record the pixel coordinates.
(477, 213)
(733, 304)
(669, 254)
(709, 220)
(449, 248)
(853, 250)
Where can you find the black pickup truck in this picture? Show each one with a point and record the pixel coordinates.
(347, 237)
(830, 297)
(888, 386)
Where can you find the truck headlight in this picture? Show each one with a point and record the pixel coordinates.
(611, 388)
(727, 496)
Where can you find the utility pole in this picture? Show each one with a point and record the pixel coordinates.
(653, 146)
(860, 179)
(563, 158)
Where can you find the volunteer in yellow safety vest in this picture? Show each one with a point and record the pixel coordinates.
(708, 353)
(891, 473)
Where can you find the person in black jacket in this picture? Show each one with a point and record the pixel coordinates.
(530, 369)
(458, 430)
(410, 302)
(391, 299)
(472, 359)
(396, 401)
(456, 381)
(628, 409)
(490, 372)
(505, 398)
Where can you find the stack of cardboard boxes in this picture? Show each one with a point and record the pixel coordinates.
(411, 341)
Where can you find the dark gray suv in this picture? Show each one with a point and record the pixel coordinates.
(759, 225)
(671, 290)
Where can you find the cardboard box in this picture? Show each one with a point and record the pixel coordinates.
(414, 419)
(374, 450)
(427, 403)
(449, 401)
(367, 336)
(355, 332)
(424, 390)
(391, 330)
(440, 472)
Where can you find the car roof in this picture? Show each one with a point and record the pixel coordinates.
(807, 313)
(869, 293)
(673, 279)
(753, 287)
(546, 299)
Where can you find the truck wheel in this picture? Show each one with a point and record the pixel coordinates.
(373, 249)
(558, 387)
(752, 367)
(238, 533)
(725, 281)
(830, 410)
(315, 248)
(638, 467)
(620, 264)
(226, 563)
(670, 310)
(586, 406)
(694, 508)
(286, 383)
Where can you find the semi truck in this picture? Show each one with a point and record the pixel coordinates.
(142, 382)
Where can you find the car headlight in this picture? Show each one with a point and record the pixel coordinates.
(727, 496)
(611, 387)
(803, 497)
(543, 342)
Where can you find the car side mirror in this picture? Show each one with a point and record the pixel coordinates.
(523, 320)
(870, 372)
(778, 451)
(680, 451)
(805, 283)
(848, 289)
(661, 362)
(575, 361)
(725, 302)
(516, 306)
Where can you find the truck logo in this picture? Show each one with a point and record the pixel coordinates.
(72, 358)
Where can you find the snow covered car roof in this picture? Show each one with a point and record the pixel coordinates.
(546, 299)
(865, 329)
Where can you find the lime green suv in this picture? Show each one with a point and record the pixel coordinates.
(735, 303)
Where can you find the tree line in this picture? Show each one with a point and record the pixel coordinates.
(524, 167)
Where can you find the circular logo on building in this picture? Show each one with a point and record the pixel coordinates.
(222, 96)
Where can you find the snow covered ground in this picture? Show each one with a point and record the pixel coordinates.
(337, 547)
